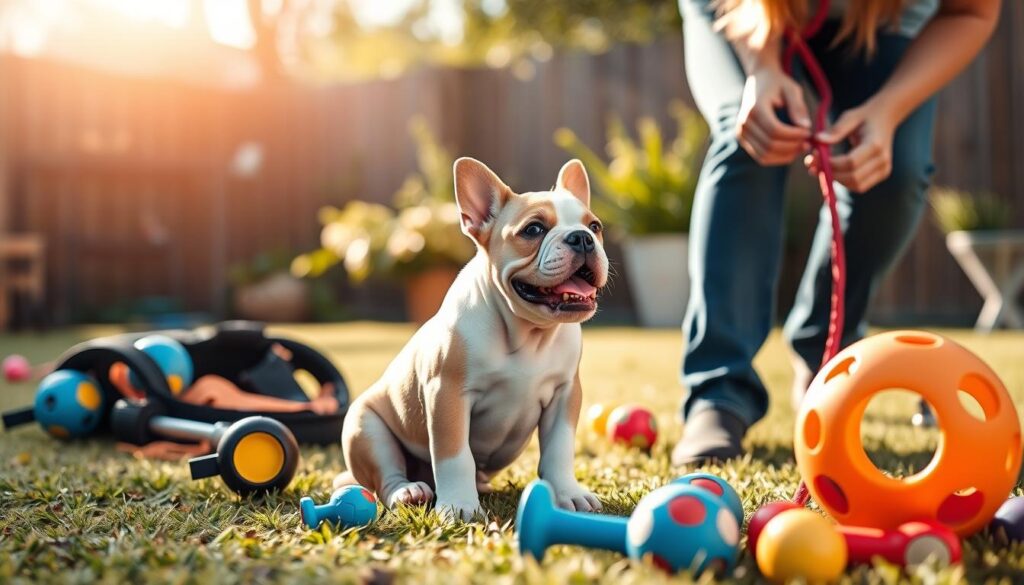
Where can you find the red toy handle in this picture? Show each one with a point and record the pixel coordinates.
(863, 544)
(911, 544)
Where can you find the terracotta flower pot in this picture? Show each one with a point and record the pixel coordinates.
(278, 298)
(425, 291)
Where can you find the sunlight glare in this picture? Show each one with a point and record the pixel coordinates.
(24, 26)
(375, 13)
(444, 19)
(174, 13)
(229, 23)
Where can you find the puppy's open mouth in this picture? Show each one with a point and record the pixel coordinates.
(577, 294)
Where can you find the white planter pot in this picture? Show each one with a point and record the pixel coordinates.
(657, 271)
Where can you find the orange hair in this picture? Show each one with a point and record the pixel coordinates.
(762, 19)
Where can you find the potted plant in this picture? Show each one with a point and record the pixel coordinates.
(645, 194)
(421, 243)
(979, 237)
(264, 290)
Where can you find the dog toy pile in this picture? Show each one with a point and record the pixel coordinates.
(693, 523)
(906, 521)
(178, 393)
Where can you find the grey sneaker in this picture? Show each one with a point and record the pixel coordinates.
(709, 435)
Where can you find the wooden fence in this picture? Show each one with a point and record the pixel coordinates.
(128, 178)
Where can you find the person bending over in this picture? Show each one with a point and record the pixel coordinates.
(885, 60)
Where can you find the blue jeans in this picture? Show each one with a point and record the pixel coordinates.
(737, 224)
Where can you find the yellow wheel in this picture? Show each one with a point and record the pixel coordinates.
(256, 454)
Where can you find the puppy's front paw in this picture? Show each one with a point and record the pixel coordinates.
(454, 510)
(414, 493)
(577, 498)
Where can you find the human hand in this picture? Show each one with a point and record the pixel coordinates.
(869, 128)
(759, 130)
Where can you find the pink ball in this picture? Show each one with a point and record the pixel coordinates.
(16, 368)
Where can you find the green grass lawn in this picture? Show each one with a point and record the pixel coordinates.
(83, 511)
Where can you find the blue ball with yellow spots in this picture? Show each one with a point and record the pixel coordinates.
(68, 404)
(173, 359)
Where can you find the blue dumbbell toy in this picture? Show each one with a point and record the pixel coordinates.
(352, 505)
(68, 404)
(718, 487)
(172, 358)
(540, 524)
(607, 537)
(680, 526)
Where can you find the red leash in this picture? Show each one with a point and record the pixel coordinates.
(796, 45)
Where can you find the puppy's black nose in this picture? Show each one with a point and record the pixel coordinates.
(580, 241)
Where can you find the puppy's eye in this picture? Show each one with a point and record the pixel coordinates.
(596, 227)
(533, 230)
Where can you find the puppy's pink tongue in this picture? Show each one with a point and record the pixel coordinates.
(576, 285)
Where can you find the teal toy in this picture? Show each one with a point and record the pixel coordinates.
(684, 527)
(541, 524)
(68, 404)
(172, 358)
(718, 487)
(352, 505)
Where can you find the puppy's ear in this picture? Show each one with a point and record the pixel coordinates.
(480, 194)
(573, 178)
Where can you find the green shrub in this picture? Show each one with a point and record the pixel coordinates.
(961, 211)
(646, 187)
(370, 238)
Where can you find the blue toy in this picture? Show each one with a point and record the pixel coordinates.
(352, 505)
(1010, 520)
(683, 527)
(540, 524)
(172, 358)
(69, 404)
(718, 487)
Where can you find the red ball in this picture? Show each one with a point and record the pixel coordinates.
(762, 517)
(16, 368)
(632, 425)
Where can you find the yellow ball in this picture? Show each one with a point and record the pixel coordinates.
(801, 544)
(597, 418)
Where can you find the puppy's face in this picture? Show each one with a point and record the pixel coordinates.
(545, 249)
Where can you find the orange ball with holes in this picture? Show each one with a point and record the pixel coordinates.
(974, 467)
